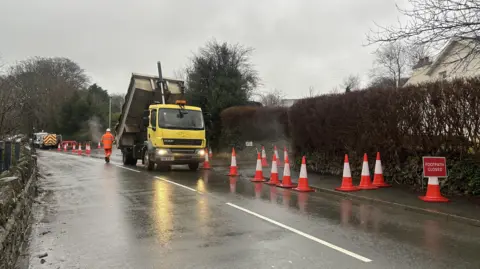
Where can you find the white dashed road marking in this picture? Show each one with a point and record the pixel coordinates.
(174, 183)
(121, 166)
(313, 238)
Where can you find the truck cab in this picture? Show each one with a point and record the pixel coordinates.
(157, 126)
(175, 135)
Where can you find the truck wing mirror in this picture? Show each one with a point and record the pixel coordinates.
(145, 121)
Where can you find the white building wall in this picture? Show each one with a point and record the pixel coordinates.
(451, 65)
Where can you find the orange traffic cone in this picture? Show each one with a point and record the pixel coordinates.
(303, 180)
(365, 181)
(433, 192)
(99, 146)
(210, 154)
(206, 163)
(264, 158)
(378, 179)
(59, 147)
(233, 165)
(79, 149)
(65, 147)
(274, 172)
(285, 154)
(258, 171)
(87, 148)
(347, 178)
(279, 162)
(74, 148)
(286, 180)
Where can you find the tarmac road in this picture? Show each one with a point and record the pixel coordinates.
(96, 215)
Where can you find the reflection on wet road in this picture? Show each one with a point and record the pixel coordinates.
(97, 215)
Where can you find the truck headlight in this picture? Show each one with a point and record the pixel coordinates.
(201, 152)
(162, 151)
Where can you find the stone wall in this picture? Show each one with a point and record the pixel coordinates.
(17, 191)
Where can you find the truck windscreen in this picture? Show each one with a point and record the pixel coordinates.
(180, 119)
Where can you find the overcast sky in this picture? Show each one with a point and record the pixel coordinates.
(298, 43)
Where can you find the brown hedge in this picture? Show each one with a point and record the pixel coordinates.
(441, 119)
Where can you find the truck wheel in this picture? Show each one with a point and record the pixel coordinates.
(148, 163)
(193, 166)
(133, 162)
(127, 158)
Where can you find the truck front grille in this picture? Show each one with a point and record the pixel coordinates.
(184, 151)
(183, 142)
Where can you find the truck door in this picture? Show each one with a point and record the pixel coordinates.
(151, 133)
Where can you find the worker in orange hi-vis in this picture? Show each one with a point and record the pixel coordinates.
(107, 141)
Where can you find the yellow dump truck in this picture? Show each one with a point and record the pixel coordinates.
(157, 125)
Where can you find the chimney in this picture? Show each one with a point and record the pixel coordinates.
(422, 62)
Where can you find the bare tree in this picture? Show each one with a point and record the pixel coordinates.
(311, 92)
(334, 90)
(416, 53)
(10, 112)
(41, 86)
(273, 98)
(391, 61)
(352, 82)
(434, 22)
(180, 74)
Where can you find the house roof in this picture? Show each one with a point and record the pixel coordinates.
(447, 48)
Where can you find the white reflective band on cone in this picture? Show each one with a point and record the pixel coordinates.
(274, 167)
(234, 161)
(303, 171)
(264, 155)
(433, 181)
(378, 167)
(365, 171)
(206, 157)
(346, 170)
(286, 170)
(259, 165)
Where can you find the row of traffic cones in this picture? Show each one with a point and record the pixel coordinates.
(75, 150)
(433, 189)
(275, 151)
(365, 180)
(274, 179)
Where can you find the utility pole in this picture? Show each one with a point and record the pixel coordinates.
(110, 113)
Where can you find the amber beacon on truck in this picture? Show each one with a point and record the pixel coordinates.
(157, 126)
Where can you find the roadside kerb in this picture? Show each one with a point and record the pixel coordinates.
(470, 221)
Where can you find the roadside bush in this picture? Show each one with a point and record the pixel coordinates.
(440, 119)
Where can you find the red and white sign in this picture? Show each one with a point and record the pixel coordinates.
(434, 167)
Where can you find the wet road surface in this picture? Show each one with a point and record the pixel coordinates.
(97, 215)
